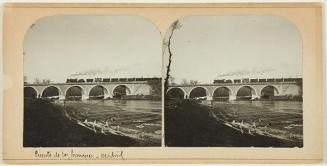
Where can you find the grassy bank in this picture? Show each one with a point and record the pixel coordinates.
(188, 123)
(48, 125)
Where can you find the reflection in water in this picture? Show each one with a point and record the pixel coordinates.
(146, 106)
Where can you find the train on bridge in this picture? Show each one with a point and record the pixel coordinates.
(93, 80)
(257, 80)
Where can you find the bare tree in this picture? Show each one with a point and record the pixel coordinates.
(184, 82)
(43, 81)
(25, 80)
(194, 82)
(172, 80)
(46, 81)
(37, 81)
(174, 27)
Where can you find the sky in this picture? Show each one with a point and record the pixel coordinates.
(204, 47)
(231, 47)
(61, 47)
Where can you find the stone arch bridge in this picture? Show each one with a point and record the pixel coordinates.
(233, 89)
(132, 88)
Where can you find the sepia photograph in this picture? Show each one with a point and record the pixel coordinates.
(89, 82)
(166, 83)
(233, 81)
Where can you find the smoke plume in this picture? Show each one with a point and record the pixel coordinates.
(253, 71)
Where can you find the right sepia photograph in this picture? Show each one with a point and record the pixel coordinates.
(233, 81)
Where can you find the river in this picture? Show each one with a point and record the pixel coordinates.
(145, 106)
(293, 107)
(132, 116)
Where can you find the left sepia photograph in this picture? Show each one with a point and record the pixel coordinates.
(92, 81)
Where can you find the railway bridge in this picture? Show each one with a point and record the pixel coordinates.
(85, 90)
(233, 91)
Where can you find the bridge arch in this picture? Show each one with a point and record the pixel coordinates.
(121, 90)
(176, 92)
(30, 92)
(246, 92)
(51, 92)
(269, 91)
(198, 92)
(75, 92)
(222, 93)
(98, 92)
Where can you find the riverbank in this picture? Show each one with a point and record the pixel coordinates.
(188, 123)
(49, 125)
(280, 118)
